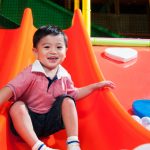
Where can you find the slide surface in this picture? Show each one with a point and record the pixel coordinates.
(104, 121)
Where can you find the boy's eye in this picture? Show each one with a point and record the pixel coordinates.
(46, 46)
(59, 47)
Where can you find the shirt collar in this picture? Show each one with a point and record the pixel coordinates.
(37, 67)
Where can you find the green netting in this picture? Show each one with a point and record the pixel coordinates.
(44, 12)
(99, 31)
(7, 23)
(13, 9)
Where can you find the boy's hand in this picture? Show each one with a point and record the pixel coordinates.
(86, 90)
(106, 83)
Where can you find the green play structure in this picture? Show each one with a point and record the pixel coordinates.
(44, 12)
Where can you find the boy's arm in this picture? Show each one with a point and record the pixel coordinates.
(5, 95)
(86, 90)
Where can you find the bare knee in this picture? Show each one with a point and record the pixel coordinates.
(68, 102)
(18, 107)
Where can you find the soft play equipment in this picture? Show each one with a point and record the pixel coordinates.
(121, 54)
(104, 122)
(141, 107)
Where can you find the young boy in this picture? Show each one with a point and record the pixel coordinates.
(44, 95)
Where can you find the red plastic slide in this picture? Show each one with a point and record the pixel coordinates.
(104, 123)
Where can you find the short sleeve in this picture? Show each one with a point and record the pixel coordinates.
(71, 89)
(20, 83)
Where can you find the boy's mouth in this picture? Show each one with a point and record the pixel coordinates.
(52, 58)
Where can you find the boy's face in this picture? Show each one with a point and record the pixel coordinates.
(51, 51)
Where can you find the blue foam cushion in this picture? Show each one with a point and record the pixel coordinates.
(141, 107)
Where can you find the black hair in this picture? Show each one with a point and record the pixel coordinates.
(48, 30)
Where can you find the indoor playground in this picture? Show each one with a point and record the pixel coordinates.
(105, 121)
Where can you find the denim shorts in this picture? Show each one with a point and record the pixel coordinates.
(48, 123)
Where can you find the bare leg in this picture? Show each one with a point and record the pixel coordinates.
(70, 118)
(22, 123)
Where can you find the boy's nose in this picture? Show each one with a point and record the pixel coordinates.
(52, 50)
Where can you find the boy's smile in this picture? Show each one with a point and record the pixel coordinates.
(52, 59)
(51, 51)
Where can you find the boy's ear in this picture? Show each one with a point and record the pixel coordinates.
(34, 51)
